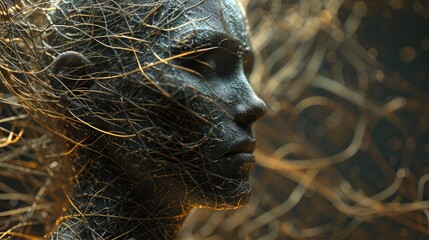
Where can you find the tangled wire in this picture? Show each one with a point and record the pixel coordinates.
(142, 122)
(342, 154)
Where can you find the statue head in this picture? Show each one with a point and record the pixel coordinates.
(160, 91)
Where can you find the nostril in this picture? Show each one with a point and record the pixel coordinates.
(248, 113)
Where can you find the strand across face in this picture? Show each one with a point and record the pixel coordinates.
(174, 110)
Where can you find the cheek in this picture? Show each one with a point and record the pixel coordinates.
(177, 121)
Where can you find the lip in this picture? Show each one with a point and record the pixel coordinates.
(244, 146)
(239, 160)
(240, 165)
(243, 164)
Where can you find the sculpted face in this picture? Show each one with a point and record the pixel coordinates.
(180, 118)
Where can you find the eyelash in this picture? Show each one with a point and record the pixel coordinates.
(248, 63)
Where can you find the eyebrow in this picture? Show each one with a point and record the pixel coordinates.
(200, 39)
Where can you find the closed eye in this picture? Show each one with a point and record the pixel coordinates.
(210, 63)
(205, 64)
(198, 65)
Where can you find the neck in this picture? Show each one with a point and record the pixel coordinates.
(107, 204)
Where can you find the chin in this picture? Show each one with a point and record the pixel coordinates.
(234, 199)
(231, 196)
(231, 188)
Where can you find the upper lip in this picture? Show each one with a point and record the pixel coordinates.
(247, 145)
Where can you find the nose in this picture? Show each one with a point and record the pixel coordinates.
(247, 112)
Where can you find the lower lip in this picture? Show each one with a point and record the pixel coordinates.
(242, 164)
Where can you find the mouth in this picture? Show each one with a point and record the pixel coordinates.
(231, 172)
(244, 146)
(242, 165)
(240, 158)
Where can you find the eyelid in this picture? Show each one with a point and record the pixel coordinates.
(199, 39)
(232, 46)
(248, 61)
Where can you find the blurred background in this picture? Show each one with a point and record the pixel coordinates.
(343, 152)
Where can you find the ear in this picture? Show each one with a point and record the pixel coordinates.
(71, 71)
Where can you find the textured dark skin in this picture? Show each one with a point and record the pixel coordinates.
(160, 139)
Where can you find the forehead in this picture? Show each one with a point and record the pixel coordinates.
(224, 16)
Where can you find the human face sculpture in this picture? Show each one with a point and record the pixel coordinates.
(179, 119)
(221, 74)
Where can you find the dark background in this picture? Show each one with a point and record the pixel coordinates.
(359, 67)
